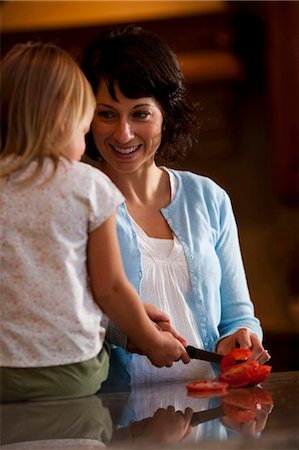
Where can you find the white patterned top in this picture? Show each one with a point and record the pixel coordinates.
(48, 315)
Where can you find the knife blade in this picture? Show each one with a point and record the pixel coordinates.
(196, 353)
(207, 415)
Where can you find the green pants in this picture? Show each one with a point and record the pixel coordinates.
(70, 420)
(54, 383)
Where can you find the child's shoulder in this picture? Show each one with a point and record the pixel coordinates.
(85, 170)
(82, 167)
(87, 177)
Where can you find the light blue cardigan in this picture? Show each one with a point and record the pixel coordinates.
(201, 217)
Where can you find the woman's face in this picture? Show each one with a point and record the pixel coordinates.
(126, 132)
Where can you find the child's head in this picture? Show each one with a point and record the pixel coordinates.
(44, 98)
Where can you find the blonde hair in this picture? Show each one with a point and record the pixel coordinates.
(44, 96)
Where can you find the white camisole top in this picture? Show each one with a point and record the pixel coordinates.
(166, 283)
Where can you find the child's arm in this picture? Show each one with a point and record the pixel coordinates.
(120, 302)
(161, 320)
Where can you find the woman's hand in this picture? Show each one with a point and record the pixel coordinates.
(243, 338)
(162, 322)
(250, 428)
(247, 410)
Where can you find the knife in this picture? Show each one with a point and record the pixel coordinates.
(207, 415)
(196, 353)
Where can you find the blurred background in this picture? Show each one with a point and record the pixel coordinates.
(242, 65)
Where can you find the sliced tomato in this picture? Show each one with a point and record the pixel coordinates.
(261, 395)
(261, 375)
(207, 394)
(241, 374)
(207, 385)
(234, 357)
(240, 415)
(243, 405)
(245, 398)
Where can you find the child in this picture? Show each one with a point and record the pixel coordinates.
(61, 269)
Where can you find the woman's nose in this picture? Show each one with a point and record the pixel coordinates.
(123, 131)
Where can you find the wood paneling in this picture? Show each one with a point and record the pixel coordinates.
(283, 71)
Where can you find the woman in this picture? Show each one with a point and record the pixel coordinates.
(177, 230)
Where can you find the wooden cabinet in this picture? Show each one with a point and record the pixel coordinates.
(283, 78)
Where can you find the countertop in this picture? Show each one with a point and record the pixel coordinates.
(264, 417)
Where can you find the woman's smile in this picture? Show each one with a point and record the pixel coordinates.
(125, 151)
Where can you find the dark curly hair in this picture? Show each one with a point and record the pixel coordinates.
(143, 65)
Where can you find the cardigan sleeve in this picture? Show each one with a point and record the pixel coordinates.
(237, 310)
(115, 336)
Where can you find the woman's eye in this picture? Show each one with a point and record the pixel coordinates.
(106, 114)
(141, 115)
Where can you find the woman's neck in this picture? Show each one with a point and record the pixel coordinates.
(143, 187)
(146, 191)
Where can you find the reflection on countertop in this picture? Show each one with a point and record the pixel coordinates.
(162, 415)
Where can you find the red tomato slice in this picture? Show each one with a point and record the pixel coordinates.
(245, 398)
(207, 385)
(241, 374)
(234, 357)
(262, 374)
(207, 394)
(261, 395)
(243, 404)
(240, 415)
(242, 398)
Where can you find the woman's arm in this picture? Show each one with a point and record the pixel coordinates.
(237, 310)
(239, 326)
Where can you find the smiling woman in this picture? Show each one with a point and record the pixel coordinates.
(177, 230)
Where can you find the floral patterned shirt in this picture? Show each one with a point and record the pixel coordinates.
(48, 315)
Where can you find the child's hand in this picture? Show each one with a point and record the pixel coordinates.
(166, 426)
(166, 350)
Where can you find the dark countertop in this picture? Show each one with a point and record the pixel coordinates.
(262, 418)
